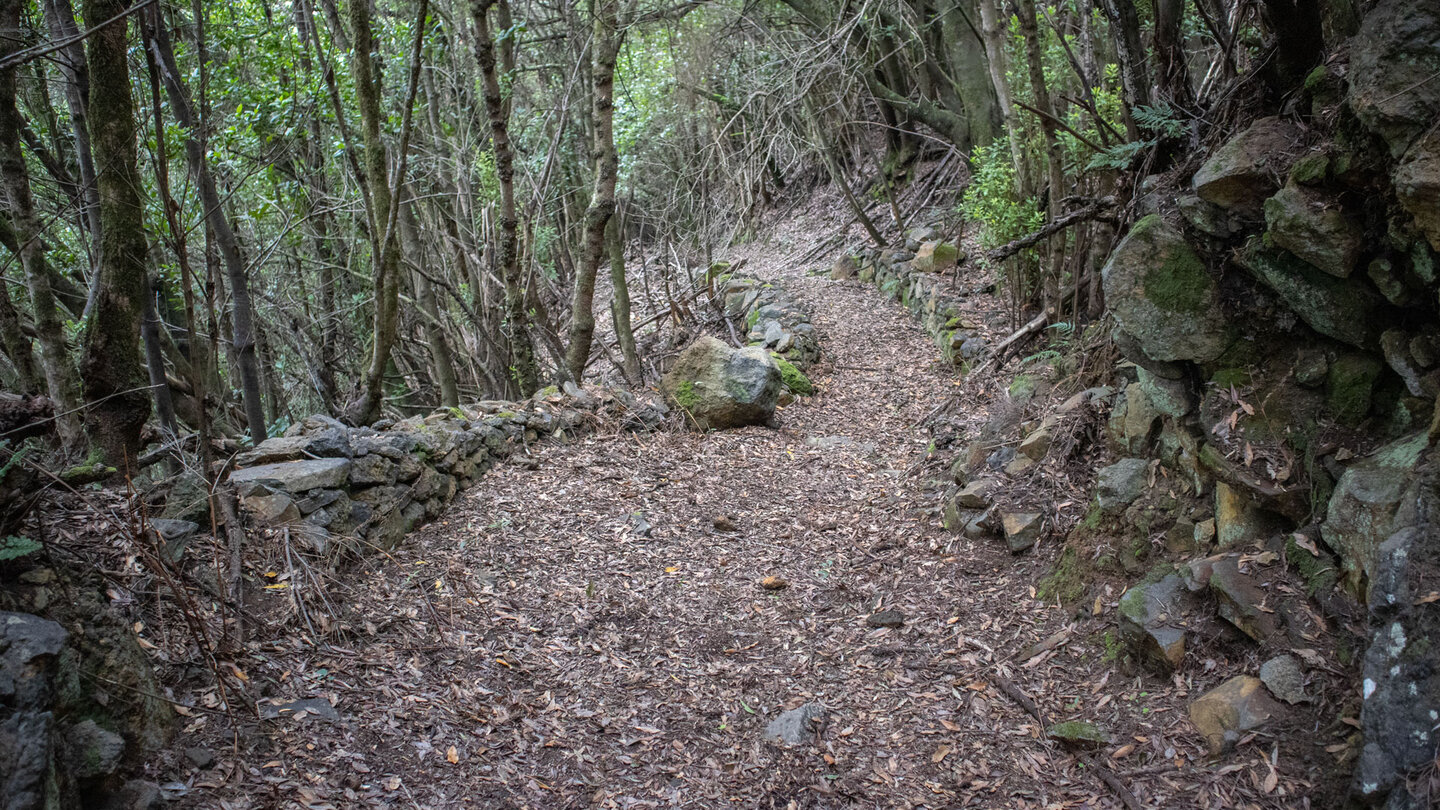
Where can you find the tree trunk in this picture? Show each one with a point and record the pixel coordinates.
(1299, 41)
(1125, 32)
(1033, 56)
(60, 18)
(1172, 73)
(435, 339)
(110, 363)
(15, 177)
(604, 46)
(13, 339)
(242, 317)
(522, 350)
(995, 50)
(620, 303)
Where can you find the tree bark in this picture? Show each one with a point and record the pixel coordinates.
(1172, 72)
(516, 327)
(1125, 32)
(110, 362)
(15, 181)
(604, 47)
(60, 19)
(1029, 30)
(242, 317)
(620, 303)
(435, 340)
(995, 50)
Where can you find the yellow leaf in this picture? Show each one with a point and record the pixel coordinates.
(671, 569)
(277, 586)
(452, 756)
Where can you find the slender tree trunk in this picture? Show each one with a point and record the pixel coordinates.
(435, 339)
(243, 315)
(13, 339)
(1125, 32)
(15, 177)
(995, 50)
(522, 350)
(604, 46)
(110, 364)
(368, 85)
(1030, 31)
(1172, 72)
(155, 365)
(620, 303)
(60, 19)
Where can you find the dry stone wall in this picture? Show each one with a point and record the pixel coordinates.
(363, 488)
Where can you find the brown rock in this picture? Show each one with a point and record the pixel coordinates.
(1240, 704)
(774, 583)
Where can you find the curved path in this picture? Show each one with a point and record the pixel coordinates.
(533, 648)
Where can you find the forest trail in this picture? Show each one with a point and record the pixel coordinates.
(532, 648)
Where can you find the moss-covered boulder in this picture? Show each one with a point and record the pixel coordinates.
(1161, 292)
(1393, 63)
(1344, 309)
(1153, 620)
(1349, 384)
(719, 387)
(1312, 225)
(935, 257)
(1240, 175)
(1365, 503)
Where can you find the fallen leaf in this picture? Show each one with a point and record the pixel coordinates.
(940, 753)
(1123, 751)
(451, 755)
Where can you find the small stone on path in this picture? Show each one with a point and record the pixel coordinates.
(1078, 733)
(1284, 678)
(317, 707)
(724, 523)
(886, 618)
(797, 726)
(774, 583)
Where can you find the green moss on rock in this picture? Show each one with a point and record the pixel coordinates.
(794, 378)
(685, 395)
(1349, 385)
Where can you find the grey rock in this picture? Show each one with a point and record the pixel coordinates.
(295, 476)
(998, 459)
(720, 387)
(976, 494)
(1284, 678)
(1365, 502)
(1344, 309)
(1171, 397)
(1022, 529)
(797, 726)
(1121, 484)
(1161, 292)
(175, 536)
(92, 751)
(28, 645)
(773, 333)
(306, 707)
(1393, 60)
(1153, 621)
(1241, 174)
(972, 347)
(371, 470)
(275, 509)
(1313, 226)
(639, 526)
(1417, 186)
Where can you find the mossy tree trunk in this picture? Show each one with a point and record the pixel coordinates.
(523, 367)
(15, 176)
(110, 366)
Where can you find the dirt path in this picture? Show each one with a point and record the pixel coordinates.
(533, 649)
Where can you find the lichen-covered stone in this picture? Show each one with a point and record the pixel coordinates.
(296, 476)
(1160, 291)
(720, 387)
(1240, 175)
(1312, 225)
(1120, 484)
(1417, 185)
(935, 257)
(1153, 621)
(1364, 505)
(1393, 63)
(1343, 309)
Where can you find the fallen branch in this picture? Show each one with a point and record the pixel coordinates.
(1089, 212)
(1091, 761)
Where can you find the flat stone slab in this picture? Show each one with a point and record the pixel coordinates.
(305, 707)
(297, 476)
